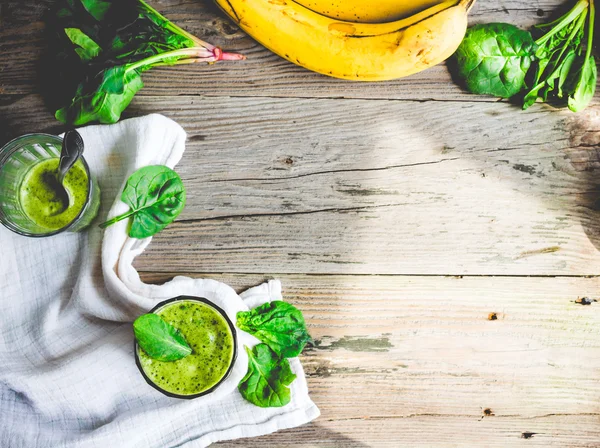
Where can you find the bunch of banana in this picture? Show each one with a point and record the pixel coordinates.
(352, 50)
(368, 11)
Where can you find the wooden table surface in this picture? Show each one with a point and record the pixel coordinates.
(436, 241)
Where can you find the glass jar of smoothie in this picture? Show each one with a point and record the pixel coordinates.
(29, 204)
(212, 337)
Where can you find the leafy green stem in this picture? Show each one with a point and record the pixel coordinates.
(592, 19)
(116, 219)
(576, 30)
(176, 29)
(194, 54)
(564, 21)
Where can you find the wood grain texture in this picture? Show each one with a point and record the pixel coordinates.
(416, 361)
(376, 187)
(371, 187)
(22, 42)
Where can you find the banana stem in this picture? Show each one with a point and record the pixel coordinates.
(467, 4)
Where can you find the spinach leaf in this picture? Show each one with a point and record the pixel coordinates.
(565, 71)
(494, 59)
(159, 339)
(267, 382)
(87, 49)
(97, 8)
(556, 55)
(556, 79)
(585, 79)
(278, 324)
(133, 37)
(103, 99)
(156, 196)
(585, 85)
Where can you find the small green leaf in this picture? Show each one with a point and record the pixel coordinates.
(104, 99)
(268, 379)
(585, 86)
(278, 324)
(493, 59)
(565, 71)
(159, 339)
(87, 48)
(97, 8)
(156, 196)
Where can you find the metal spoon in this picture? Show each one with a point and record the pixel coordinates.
(71, 151)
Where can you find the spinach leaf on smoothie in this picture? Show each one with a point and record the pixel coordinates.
(156, 196)
(279, 325)
(159, 339)
(267, 382)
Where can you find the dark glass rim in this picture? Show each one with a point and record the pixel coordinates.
(4, 154)
(233, 358)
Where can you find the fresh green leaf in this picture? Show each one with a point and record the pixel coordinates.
(156, 196)
(556, 55)
(88, 84)
(279, 325)
(114, 80)
(97, 8)
(553, 80)
(267, 382)
(585, 86)
(585, 79)
(489, 59)
(87, 48)
(159, 339)
(565, 70)
(104, 99)
(494, 59)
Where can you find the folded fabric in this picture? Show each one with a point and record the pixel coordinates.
(67, 372)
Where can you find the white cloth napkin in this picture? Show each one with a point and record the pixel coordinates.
(67, 371)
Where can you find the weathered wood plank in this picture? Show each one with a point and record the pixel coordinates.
(424, 431)
(22, 44)
(382, 187)
(372, 187)
(416, 361)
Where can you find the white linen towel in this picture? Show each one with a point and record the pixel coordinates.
(67, 371)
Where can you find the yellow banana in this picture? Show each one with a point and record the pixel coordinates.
(349, 50)
(368, 11)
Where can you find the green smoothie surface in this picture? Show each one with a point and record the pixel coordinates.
(212, 343)
(39, 199)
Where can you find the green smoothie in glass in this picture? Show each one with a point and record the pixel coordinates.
(211, 336)
(39, 197)
(32, 203)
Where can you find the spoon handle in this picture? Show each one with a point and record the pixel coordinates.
(72, 149)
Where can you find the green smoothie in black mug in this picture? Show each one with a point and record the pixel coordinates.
(210, 334)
